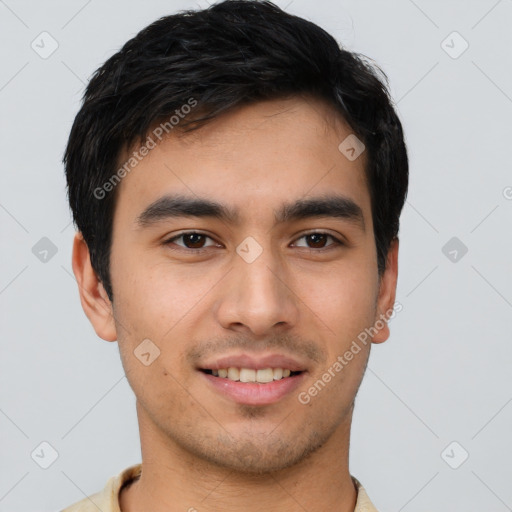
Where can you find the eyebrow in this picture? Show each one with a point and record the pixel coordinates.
(175, 206)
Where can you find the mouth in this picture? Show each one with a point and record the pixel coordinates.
(247, 375)
(253, 386)
(254, 379)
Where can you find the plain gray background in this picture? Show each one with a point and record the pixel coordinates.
(444, 376)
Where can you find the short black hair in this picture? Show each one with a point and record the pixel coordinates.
(233, 53)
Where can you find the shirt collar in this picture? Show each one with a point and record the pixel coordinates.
(108, 498)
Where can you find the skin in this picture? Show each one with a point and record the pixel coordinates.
(200, 450)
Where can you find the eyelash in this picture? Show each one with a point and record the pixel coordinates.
(201, 250)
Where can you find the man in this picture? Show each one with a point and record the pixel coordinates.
(236, 180)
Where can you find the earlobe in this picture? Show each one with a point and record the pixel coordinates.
(93, 297)
(387, 294)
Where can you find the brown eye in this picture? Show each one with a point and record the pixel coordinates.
(318, 240)
(191, 240)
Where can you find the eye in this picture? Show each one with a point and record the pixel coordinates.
(318, 239)
(192, 240)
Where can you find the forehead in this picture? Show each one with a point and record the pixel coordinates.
(263, 154)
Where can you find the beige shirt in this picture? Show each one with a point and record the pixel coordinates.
(107, 500)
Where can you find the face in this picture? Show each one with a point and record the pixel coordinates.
(247, 245)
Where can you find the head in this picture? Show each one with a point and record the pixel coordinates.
(236, 123)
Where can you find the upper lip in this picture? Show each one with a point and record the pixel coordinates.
(255, 362)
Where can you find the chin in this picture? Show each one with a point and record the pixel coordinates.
(253, 458)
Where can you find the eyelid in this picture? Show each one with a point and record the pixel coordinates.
(338, 241)
(190, 232)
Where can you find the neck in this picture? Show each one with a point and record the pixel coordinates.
(173, 479)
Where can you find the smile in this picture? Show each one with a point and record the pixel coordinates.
(263, 375)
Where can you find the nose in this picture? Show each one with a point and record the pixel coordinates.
(258, 296)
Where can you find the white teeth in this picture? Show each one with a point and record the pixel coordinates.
(263, 375)
(247, 375)
(266, 375)
(233, 374)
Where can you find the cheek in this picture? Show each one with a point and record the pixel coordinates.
(344, 299)
(158, 391)
(154, 302)
(152, 298)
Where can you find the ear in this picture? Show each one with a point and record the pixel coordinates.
(387, 293)
(94, 298)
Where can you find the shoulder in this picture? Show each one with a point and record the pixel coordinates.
(106, 500)
(89, 504)
(363, 503)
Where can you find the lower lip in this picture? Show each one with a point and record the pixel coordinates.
(255, 393)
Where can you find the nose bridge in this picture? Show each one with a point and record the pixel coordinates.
(257, 268)
(257, 295)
